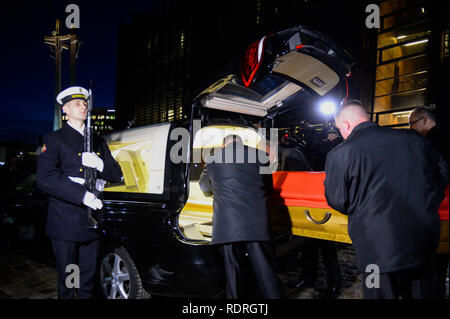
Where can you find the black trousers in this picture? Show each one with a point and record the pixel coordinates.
(261, 256)
(415, 283)
(310, 259)
(84, 255)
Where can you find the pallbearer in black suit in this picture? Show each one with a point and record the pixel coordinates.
(240, 221)
(60, 173)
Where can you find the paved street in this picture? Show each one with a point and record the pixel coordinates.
(351, 284)
(24, 276)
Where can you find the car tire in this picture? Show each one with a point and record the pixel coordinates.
(118, 276)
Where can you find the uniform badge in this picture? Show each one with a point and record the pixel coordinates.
(44, 148)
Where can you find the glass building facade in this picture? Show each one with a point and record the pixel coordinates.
(410, 57)
(102, 119)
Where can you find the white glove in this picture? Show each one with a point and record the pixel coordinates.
(100, 184)
(91, 201)
(92, 160)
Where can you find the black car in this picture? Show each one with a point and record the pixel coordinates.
(157, 225)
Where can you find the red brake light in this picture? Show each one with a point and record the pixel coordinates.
(252, 61)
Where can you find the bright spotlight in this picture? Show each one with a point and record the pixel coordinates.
(328, 107)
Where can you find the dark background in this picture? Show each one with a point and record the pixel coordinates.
(27, 70)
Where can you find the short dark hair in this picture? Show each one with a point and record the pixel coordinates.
(423, 111)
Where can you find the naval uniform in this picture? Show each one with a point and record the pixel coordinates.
(72, 242)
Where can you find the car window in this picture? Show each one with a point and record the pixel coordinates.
(213, 135)
(195, 219)
(141, 153)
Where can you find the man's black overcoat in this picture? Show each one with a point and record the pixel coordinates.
(240, 195)
(388, 184)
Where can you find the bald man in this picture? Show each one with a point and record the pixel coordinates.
(382, 179)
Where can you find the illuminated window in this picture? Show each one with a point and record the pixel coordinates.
(401, 84)
(182, 40)
(404, 16)
(410, 48)
(258, 12)
(445, 44)
(389, 6)
(401, 35)
(170, 115)
(403, 67)
(402, 77)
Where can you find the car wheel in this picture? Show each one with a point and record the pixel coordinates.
(119, 278)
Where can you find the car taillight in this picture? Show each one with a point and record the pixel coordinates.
(252, 61)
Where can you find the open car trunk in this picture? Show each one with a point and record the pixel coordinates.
(301, 67)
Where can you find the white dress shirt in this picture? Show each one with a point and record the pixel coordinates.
(81, 130)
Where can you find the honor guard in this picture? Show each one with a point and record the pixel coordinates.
(60, 173)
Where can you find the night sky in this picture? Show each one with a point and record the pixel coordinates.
(27, 70)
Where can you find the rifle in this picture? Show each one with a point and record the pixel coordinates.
(90, 174)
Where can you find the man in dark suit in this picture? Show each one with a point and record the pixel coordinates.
(60, 173)
(240, 220)
(390, 184)
(423, 121)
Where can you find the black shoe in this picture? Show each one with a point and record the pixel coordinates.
(331, 293)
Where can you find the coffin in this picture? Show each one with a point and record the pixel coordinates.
(298, 204)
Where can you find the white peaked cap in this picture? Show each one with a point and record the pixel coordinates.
(72, 93)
